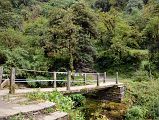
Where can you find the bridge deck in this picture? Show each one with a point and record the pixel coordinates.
(74, 89)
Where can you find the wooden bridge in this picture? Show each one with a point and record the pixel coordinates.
(72, 83)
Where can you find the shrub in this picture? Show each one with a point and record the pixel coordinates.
(136, 113)
(78, 99)
(155, 108)
(64, 103)
(141, 76)
(77, 115)
(144, 94)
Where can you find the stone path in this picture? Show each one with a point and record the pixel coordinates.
(35, 111)
(13, 105)
(5, 105)
(7, 110)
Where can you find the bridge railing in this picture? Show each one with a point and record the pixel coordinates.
(1, 76)
(85, 78)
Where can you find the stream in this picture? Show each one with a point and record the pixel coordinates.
(103, 110)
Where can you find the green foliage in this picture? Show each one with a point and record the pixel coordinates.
(143, 96)
(78, 99)
(104, 5)
(37, 27)
(70, 34)
(141, 54)
(76, 35)
(85, 36)
(18, 117)
(141, 76)
(78, 115)
(11, 38)
(5, 5)
(136, 113)
(63, 103)
(152, 28)
(62, 3)
(134, 5)
(120, 39)
(18, 3)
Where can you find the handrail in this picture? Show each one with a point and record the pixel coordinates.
(72, 81)
(69, 81)
(56, 72)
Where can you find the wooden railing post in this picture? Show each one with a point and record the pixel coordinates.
(117, 78)
(105, 77)
(1, 76)
(55, 78)
(68, 80)
(97, 79)
(85, 77)
(12, 81)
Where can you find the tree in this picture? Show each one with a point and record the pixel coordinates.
(117, 41)
(104, 5)
(134, 5)
(5, 13)
(151, 41)
(62, 34)
(18, 3)
(87, 34)
(69, 30)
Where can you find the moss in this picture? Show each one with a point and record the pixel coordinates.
(111, 110)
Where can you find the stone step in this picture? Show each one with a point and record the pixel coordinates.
(12, 110)
(56, 116)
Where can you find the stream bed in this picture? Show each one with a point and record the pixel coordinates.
(103, 110)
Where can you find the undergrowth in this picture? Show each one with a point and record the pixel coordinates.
(143, 100)
(63, 103)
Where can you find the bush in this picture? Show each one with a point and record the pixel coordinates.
(64, 103)
(136, 113)
(77, 115)
(78, 99)
(155, 108)
(145, 95)
(141, 76)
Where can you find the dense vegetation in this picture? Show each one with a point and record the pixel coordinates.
(140, 103)
(63, 103)
(81, 35)
(143, 100)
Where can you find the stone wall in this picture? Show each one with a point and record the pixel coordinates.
(115, 93)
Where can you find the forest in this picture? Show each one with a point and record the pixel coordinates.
(87, 36)
(80, 35)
